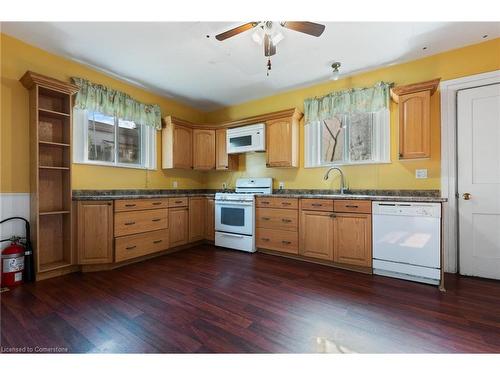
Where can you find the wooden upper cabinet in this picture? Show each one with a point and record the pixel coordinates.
(94, 232)
(353, 239)
(282, 142)
(415, 118)
(177, 147)
(316, 234)
(223, 161)
(203, 149)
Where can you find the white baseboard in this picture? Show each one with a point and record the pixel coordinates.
(13, 204)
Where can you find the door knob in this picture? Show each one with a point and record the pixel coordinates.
(466, 196)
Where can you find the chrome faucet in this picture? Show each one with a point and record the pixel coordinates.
(343, 186)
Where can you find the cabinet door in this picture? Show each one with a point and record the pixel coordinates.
(210, 220)
(197, 211)
(353, 239)
(178, 226)
(203, 149)
(182, 147)
(223, 161)
(282, 143)
(95, 232)
(316, 234)
(414, 125)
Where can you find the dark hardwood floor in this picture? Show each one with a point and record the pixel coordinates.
(210, 300)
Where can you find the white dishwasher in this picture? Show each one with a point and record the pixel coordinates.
(407, 240)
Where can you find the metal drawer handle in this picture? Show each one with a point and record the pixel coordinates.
(333, 216)
(157, 241)
(264, 202)
(130, 223)
(316, 204)
(351, 206)
(130, 205)
(265, 239)
(286, 203)
(286, 220)
(286, 242)
(266, 218)
(131, 247)
(178, 202)
(156, 203)
(155, 219)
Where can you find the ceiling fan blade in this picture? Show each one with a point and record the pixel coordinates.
(236, 31)
(269, 47)
(310, 28)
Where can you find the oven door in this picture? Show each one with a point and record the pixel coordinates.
(234, 217)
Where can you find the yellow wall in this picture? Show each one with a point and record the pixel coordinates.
(18, 57)
(465, 61)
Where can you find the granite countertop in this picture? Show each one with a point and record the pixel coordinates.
(102, 195)
(374, 195)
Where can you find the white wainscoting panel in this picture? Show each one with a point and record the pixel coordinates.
(13, 204)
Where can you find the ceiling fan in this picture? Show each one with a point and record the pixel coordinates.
(269, 33)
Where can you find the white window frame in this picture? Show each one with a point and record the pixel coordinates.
(381, 148)
(81, 149)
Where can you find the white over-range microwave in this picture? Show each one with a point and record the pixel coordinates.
(246, 139)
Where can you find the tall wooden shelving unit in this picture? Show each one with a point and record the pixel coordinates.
(50, 172)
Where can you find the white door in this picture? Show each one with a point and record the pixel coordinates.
(478, 146)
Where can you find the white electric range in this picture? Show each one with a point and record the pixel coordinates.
(235, 213)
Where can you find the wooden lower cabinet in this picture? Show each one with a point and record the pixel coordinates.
(178, 220)
(316, 235)
(210, 220)
(94, 232)
(197, 214)
(352, 239)
(279, 240)
(137, 245)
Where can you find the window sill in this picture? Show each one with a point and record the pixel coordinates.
(103, 164)
(328, 165)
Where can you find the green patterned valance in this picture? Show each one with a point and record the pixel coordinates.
(99, 98)
(369, 99)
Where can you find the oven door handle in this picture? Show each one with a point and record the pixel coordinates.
(232, 235)
(233, 203)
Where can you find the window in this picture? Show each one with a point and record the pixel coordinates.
(108, 140)
(352, 138)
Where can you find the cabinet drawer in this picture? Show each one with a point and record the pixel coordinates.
(291, 203)
(132, 222)
(140, 204)
(137, 245)
(316, 204)
(276, 218)
(178, 202)
(279, 240)
(364, 207)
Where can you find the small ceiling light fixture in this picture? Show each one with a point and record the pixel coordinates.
(336, 73)
(424, 48)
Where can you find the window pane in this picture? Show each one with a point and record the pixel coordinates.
(101, 137)
(129, 142)
(360, 136)
(332, 140)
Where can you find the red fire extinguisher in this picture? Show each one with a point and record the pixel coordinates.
(13, 263)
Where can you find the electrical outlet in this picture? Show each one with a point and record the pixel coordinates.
(224, 185)
(420, 173)
(174, 184)
(281, 185)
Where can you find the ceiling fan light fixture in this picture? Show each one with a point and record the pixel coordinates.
(335, 73)
(257, 37)
(278, 37)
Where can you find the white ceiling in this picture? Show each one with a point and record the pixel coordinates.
(177, 60)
